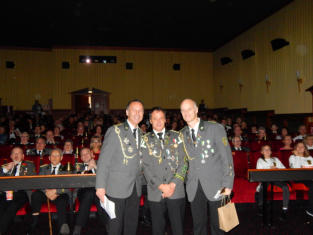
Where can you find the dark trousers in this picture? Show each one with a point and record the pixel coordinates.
(87, 197)
(199, 211)
(61, 203)
(8, 209)
(286, 194)
(126, 211)
(176, 212)
(309, 184)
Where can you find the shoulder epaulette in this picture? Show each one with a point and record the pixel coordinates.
(44, 165)
(175, 131)
(118, 124)
(28, 161)
(211, 121)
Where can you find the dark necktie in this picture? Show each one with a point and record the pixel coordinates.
(193, 136)
(53, 171)
(160, 134)
(14, 170)
(134, 133)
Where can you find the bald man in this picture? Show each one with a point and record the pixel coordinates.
(210, 175)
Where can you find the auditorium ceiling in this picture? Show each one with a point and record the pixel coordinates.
(201, 25)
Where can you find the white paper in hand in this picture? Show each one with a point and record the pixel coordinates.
(109, 207)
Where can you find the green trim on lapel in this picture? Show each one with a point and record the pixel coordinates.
(126, 126)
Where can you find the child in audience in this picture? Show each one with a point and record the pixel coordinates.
(302, 159)
(266, 161)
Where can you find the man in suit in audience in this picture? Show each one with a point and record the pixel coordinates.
(119, 172)
(87, 196)
(237, 145)
(165, 166)
(40, 149)
(8, 205)
(60, 197)
(210, 175)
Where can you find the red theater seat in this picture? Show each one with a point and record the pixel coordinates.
(240, 163)
(284, 157)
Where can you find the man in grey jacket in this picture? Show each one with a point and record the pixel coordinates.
(210, 175)
(119, 172)
(60, 197)
(165, 166)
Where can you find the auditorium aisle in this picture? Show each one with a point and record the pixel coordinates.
(250, 224)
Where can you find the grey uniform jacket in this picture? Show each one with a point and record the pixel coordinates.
(26, 168)
(210, 160)
(119, 163)
(164, 165)
(46, 170)
(33, 152)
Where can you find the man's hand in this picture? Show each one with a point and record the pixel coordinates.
(9, 166)
(226, 192)
(92, 165)
(100, 193)
(51, 194)
(167, 190)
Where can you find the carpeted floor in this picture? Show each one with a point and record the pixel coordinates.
(297, 223)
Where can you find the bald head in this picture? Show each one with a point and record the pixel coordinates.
(189, 111)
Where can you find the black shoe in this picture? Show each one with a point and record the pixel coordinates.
(283, 215)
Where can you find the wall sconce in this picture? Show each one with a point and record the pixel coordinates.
(299, 81)
(268, 83)
(240, 83)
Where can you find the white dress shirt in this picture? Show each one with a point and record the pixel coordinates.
(196, 128)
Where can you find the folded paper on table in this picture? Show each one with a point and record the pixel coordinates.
(109, 207)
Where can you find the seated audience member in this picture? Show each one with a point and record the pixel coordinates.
(50, 138)
(228, 125)
(302, 133)
(266, 161)
(274, 135)
(283, 132)
(244, 128)
(3, 135)
(68, 147)
(261, 136)
(308, 140)
(43, 129)
(60, 197)
(24, 139)
(302, 159)
(37, 133)
(12, 201)
(57, 134)
(87, 196)
(40, 148)
(143, 127)
(237, 145)
(287, 141)
(98, 132)
(14, 132)
(95, 145)
(174, 126)
(238, 133)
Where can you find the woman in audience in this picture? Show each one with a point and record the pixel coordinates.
(302, 159)
(95, 144)
(24, 139)
(57, 134)
(261, 136)
(98, 132)
(266, 161)
(287, 141)
(308, 140)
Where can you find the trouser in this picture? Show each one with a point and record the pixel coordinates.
(126, 211)
(286, 194)
(199, 208)
(8, 208)
(176, 212)
(87, 197)
(61, 203)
